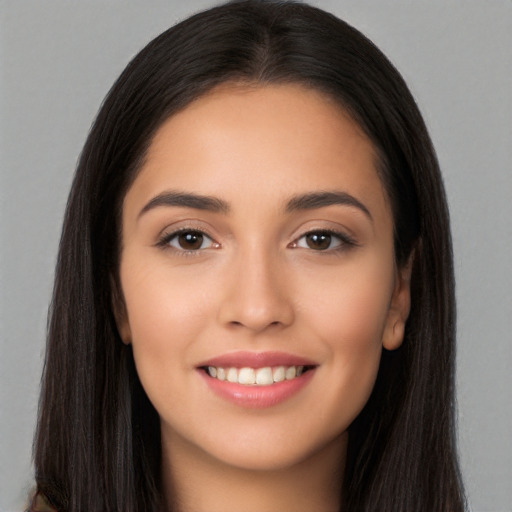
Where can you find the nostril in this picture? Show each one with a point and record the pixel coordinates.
(237, 324)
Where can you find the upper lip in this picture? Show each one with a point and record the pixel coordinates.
(243, 359)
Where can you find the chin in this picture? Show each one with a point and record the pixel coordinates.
(264, 454)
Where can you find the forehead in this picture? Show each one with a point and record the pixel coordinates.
(244, 142)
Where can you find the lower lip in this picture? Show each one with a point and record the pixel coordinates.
(258, 397)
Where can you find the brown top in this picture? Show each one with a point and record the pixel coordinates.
(41, 504)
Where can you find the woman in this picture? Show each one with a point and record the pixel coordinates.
(254, 299)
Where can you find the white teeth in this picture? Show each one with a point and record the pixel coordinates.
(255, 376)
(290, 373)
(246, 376)
(279, 374)
(264, 376)
(232, 375)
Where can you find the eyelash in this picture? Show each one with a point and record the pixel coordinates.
(166, 239)
(346, 242)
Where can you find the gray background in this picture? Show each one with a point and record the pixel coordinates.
(57, 61)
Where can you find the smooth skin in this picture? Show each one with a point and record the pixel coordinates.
(252, 273)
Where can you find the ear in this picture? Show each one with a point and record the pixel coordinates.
(120, 313)
(399, 307)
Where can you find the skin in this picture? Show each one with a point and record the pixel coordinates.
(255, 284)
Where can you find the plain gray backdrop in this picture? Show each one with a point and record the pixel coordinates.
(58, 60)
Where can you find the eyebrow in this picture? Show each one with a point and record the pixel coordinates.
(187, 200)
(309, 201)
(321, 199)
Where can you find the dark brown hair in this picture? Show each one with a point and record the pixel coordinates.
(97, 445)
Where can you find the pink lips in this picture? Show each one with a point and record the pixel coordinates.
(257, 396)
(257, 360)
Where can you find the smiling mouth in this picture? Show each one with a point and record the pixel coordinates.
(265, 376)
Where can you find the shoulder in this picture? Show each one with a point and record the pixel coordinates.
(40, 503)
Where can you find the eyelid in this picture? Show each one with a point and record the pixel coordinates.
(346, 241)
(168, 235)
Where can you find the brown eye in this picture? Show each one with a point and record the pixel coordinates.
(319, 241)
(190, 241)
(323, 241)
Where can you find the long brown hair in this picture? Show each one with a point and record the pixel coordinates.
(97, 445)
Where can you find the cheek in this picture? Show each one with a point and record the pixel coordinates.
(160, 301)
(347, 312)
(349, 306)
(165, 317)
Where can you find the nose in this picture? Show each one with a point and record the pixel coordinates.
(256, 295)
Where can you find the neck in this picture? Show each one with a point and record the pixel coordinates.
(196, 482)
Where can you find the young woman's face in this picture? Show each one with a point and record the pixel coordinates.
(258, 276)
